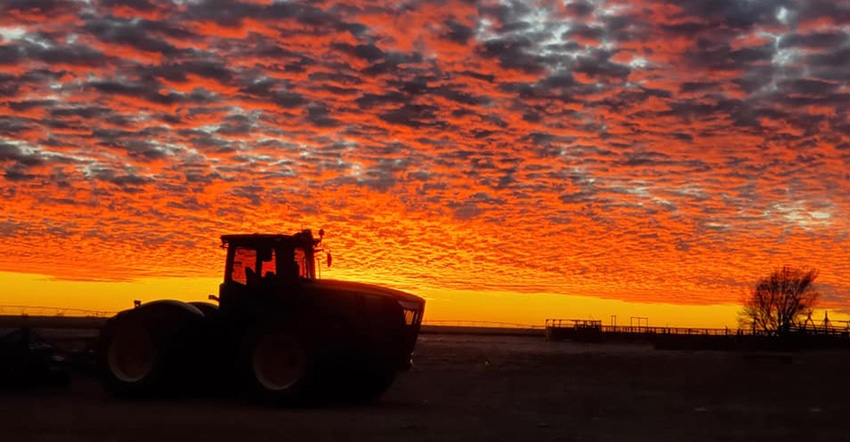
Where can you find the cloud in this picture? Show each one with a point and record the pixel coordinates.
(654, 151)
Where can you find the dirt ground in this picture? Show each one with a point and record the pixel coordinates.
(471, 388)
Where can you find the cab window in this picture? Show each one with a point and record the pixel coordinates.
(244, 265)
(268, 265)
(301, 264)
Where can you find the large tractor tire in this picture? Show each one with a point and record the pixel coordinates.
(280, 367)
(148, 351)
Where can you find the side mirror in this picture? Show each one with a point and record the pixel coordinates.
(330, 259)
(213, 298)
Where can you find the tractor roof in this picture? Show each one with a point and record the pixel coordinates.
(300, 238)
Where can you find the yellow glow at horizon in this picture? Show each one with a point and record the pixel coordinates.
(40, 290)
(442, 305)
(534, 309)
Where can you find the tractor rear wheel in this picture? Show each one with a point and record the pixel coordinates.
(132, 353)
(149, 351)
(131, 358)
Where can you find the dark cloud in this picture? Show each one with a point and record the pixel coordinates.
(12, 127)
(368, 52)
(138, 5)
(599, 65)
(131, 33)
(17, 173)
(513, 53)
(10, 54)
(585, 32)
(808, 87)
(458, 32)
(148, 92)
(319, 115)
(12, 153)
(734, 13)
(46, 8)
(368, 101)
(287, 100)
(128, 182)
(580, 8)
(22, 106)
(54, 53)
(413, 115)
(814, 40)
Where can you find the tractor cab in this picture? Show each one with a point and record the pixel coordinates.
(259, 266)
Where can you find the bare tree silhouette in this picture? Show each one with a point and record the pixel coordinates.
(777, 300)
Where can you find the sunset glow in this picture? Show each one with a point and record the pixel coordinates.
(635, 158)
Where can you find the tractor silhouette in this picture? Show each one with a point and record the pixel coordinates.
(278, 334)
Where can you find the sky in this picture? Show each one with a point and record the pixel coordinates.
(508, 160)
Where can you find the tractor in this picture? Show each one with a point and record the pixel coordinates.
(276, 334)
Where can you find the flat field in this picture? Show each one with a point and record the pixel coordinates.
(494, 388)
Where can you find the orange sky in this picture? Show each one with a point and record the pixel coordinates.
(658, 156)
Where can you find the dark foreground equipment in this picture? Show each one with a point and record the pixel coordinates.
(278, 334)
(29, 361)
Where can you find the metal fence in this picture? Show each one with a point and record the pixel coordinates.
(643, 329)
(41, 310)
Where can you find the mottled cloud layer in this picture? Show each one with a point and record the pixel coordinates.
(641, 150)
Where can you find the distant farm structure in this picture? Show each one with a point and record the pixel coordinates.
(804, 335)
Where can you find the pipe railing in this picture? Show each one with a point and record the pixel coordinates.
(43, 310)
(644, 329)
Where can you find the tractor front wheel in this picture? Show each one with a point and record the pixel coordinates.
(280, 367)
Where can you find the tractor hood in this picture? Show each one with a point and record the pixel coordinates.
(346, 287)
